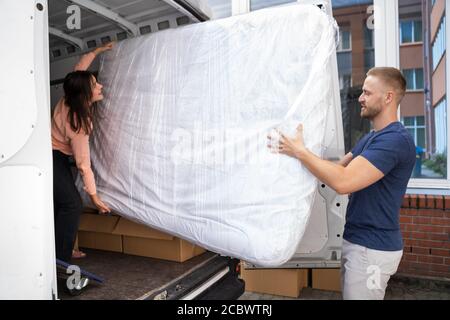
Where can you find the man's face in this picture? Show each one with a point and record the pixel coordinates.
(371, 99)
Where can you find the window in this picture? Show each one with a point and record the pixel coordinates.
(56, 53)
(345, 41)
(91, 44)
(345, 81)
(416, 126)
(163, 25)
(182, 20)
(439, 44)
(369, 42)
(70, 49)
(440, 123)
(369, 49)
(345, 65)
(105, 39)
(145, 29)
(410, 31)
(438, 161)
(414, 79)
(369, 59)
(122, 35)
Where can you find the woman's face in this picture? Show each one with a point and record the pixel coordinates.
(97, 94)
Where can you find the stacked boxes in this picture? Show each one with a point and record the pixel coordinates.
(290, 282)
(140, 240)
(114, 233)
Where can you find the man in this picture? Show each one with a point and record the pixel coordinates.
(376, 174)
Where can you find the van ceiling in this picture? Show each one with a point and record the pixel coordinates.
(99, 17)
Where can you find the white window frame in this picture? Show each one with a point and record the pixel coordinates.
(387, 53)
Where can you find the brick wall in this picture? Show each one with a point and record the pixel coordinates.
(425, 225)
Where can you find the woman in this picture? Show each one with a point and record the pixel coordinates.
(72, 122)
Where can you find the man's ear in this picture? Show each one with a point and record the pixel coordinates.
(390, 96)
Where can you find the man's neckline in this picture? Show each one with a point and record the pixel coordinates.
(389, 125)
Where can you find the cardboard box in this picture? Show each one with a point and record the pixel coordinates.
(280, 282)
(95, 232)
(326, 279)
(141, 240)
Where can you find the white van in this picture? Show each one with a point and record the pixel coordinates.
(33, 65)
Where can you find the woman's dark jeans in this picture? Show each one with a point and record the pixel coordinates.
(67, 205)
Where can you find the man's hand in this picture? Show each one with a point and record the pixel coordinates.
(293, 147)
(101, 206)
(106, 47)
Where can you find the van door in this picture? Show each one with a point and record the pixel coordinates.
(27, 270)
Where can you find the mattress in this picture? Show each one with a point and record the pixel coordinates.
(181, 141)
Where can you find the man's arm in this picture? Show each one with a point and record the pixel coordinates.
(358, 174)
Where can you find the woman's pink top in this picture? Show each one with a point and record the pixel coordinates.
(68, 141)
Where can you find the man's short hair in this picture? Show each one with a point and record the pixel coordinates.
(391, 77)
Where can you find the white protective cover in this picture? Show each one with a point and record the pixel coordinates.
(181, 144)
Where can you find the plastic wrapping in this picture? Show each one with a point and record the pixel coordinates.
(181, 145)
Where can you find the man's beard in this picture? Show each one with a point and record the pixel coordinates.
(370, 113)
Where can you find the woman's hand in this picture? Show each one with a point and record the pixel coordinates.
(101, 206)
(293, 147)
(106, 47)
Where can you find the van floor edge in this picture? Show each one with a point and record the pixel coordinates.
(126, 277)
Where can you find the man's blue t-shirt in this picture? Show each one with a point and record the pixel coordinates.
(372, 217)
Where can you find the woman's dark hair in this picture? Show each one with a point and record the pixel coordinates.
(77, 96)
